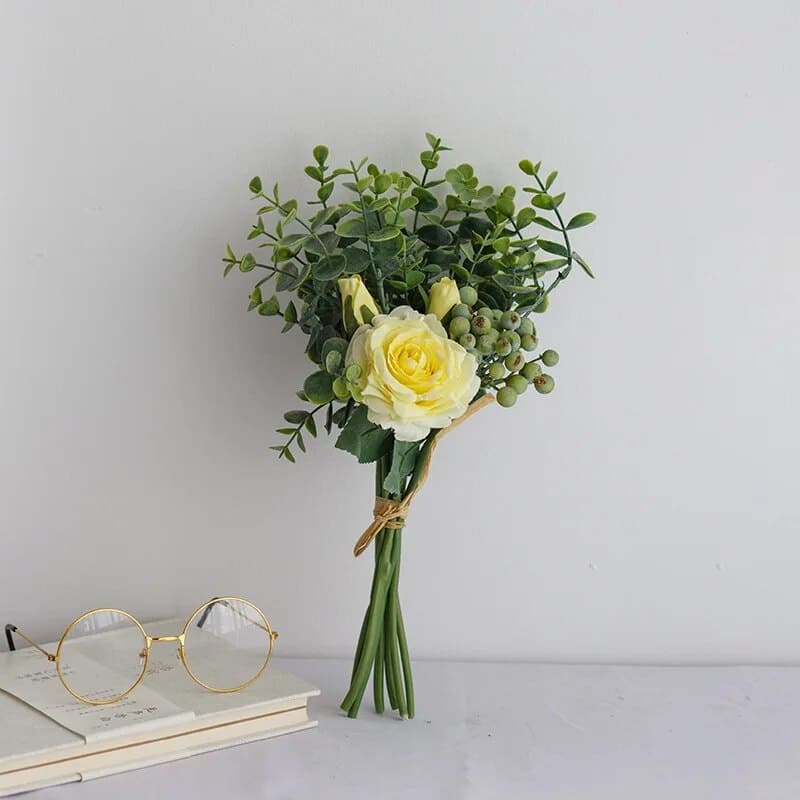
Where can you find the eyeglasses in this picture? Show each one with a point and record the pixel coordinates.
(103, 655)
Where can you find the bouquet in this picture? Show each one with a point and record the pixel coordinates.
(417, 294)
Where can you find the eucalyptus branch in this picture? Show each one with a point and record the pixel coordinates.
(304, 225)
(376, 273)
(295, 433)
(560, 222)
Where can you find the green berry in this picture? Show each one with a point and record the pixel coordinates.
(528, 342)
(526, 327)
(550, 358)
(458, 327)
(467, 341)
(468, 295)
(460, 310)
(514, 338)
(531, 370)
(543, 305)
(341, 389)
(502, 346)
(485, 311)
(544, 384)
(510, 320)
(515, 361)
(506, 397)
(481, 324)
(493, 334)
(485, 344)
(497, 314)
(496, 371)
(517, 383)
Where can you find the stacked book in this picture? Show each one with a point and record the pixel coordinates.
(47, 737)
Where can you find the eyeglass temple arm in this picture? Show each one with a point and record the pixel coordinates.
(12, 629)
(215, 600)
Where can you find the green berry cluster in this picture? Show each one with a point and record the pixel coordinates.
(500, 340)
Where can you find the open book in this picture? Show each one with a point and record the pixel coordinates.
(47, 737)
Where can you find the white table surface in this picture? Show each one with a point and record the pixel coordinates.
(489, 731)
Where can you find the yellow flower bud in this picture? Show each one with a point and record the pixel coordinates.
(358, 306)
(444, 295)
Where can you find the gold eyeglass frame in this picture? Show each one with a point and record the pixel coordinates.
(148, 642)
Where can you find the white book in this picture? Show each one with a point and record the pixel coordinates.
(47, 737)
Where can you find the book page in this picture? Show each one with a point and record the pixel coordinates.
(29, 676)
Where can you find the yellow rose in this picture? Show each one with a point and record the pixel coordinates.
(413, 378)
(444, 295)
(358, 306)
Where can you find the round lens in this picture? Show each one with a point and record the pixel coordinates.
(102, 657)
(227, 645)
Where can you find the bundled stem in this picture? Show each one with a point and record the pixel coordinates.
(382, 648)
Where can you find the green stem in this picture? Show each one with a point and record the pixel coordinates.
(377, 606)
(416, 210)
(404, 657)
(393, 661)
(382, 651)
(377, 679)
(392, 615)
(360, 645)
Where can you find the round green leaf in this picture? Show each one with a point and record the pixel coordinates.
(525, 217)
(321, 154)
(426, 201)
(318, 387)
(329, 267)
(543, 200)
(351, 228)
(248, 263)
(382, 183)
(385, 234)
(435, 235)
(505, 205)
(334, 344)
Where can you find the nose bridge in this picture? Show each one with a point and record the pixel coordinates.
(156, 639)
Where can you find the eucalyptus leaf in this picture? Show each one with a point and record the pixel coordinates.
(357, 259)
(545, 223)
(543, 200)
(270, 308)
(318, 387)
(426, 201)
(579, 220)
(351, 229)
(329, 267)
(552, 247)
(385, 234)
(435, 235)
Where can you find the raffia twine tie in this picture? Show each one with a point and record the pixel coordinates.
(392, 514)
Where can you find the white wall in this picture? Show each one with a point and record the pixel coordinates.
(645, 511)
